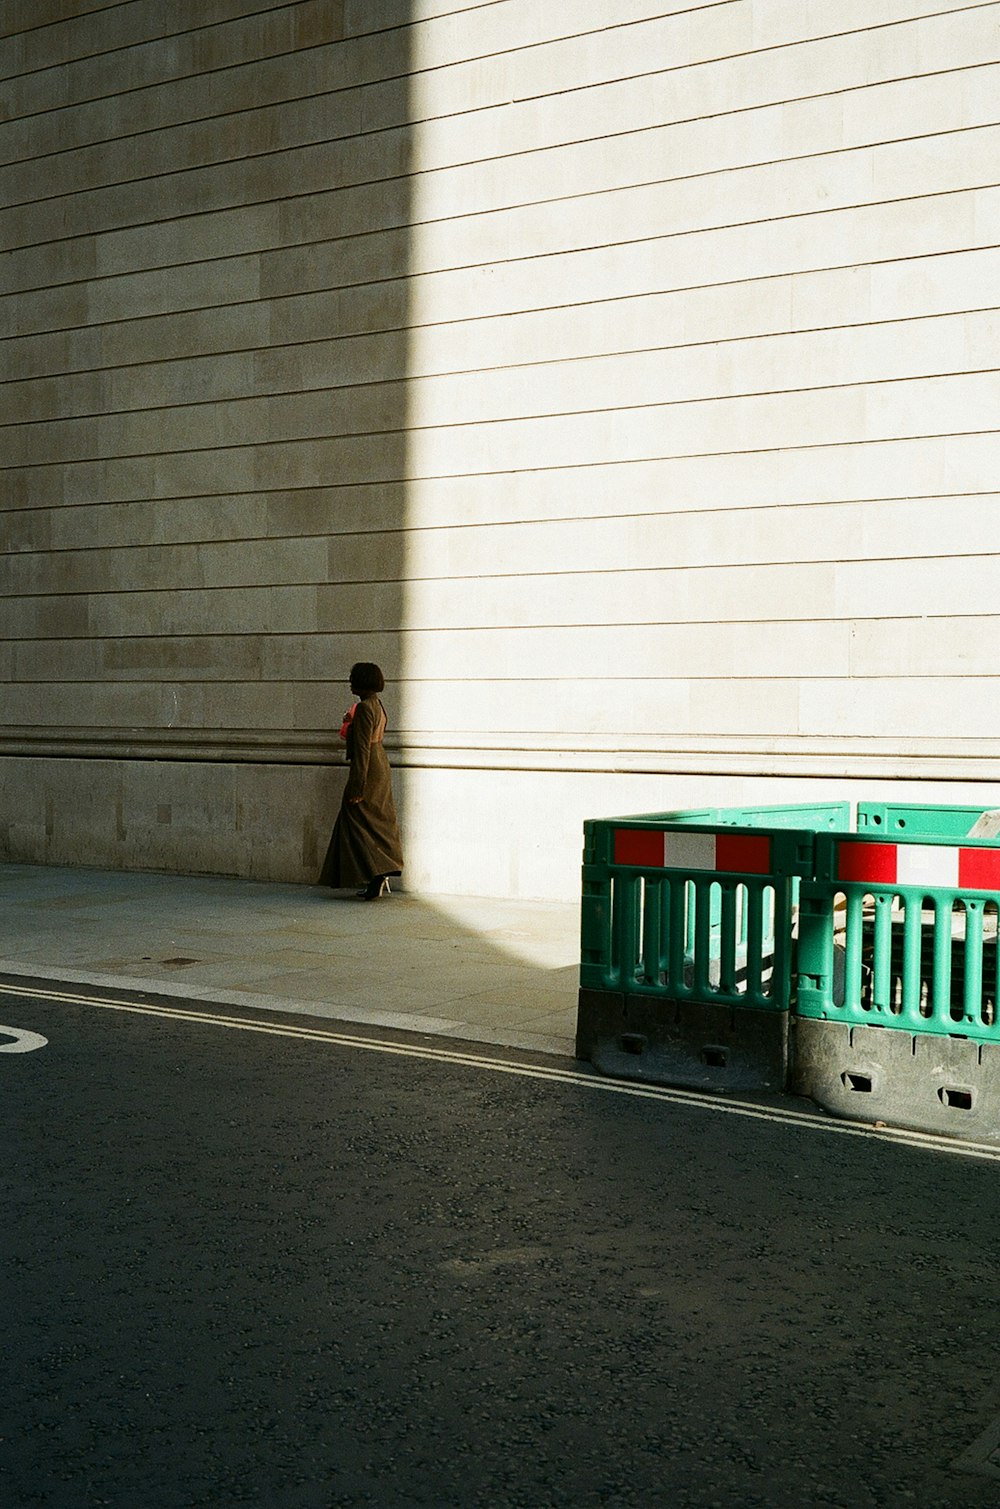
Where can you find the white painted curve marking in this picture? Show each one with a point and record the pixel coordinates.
(24, 1042)
(583, 1079)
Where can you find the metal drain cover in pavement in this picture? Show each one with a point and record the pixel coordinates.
(983, 1456)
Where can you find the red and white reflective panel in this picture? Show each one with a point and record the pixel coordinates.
(730, 853)
(934, 865)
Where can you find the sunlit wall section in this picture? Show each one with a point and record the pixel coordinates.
(702, 416)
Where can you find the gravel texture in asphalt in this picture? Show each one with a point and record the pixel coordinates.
(248, 1268)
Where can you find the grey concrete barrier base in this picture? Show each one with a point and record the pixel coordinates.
(921, 1081)
(691, 1045)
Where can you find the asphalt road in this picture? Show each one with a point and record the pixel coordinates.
(300, 1271)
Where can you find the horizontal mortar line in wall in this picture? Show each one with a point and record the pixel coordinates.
(472, 319)
(530, 741)
(407, 632)
(403, 532)
(157, 676)
(371, 135)
(750, 52)
(663, 568)
(89, 10)
(417, 174)
(139, 683)
(122, 5)
(668, 510)
(472, 215)
(325, 745)
(596, 31)
(360, 136)
(154, 41)
(414, 122)
(231, 117)
(65, 375)
(403, 77)
(754, 337)
(406, 479)
(540, 742)
(699, 175)
(529, 417)
(165, 83)
(160, 39)
(524, 99)
(812, 759)
(261, 394)
(414, 741)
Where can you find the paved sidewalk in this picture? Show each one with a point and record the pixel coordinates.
(484, 970)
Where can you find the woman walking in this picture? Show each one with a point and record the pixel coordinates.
(365, 848)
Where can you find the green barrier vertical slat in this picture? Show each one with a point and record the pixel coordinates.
(621, 893)
(677, 937)
(595, 930)
(941, 999)
(663, 947)
(632, 957)
(729, 921)
(702, 936)
(912, 958)
(651, 930)
(762, 943)
(755, 934)
(852, 951)
(780, 941)
(882, 956)
(972, 995)
(815, 952)
(613, 969)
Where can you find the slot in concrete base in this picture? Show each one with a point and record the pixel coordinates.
(691, 1045)
(946, 1085)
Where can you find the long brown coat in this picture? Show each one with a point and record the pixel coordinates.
(365, 840)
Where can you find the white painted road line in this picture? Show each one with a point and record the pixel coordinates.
(23, 1042)
(812, 1122)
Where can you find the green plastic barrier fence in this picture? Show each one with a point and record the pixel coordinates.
(912, 819)
(901, 931)
(768, 948)
(691, 911)
(687, 925)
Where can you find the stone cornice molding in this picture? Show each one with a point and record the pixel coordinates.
(846, 758)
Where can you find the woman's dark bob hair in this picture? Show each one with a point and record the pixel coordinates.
(366, 677)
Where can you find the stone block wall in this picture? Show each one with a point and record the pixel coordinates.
(621, 377)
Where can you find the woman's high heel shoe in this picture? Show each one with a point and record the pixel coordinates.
(376, 887)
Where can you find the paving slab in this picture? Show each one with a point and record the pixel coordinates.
(489, 970)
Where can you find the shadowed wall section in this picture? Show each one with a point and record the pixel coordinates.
(202, 443)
